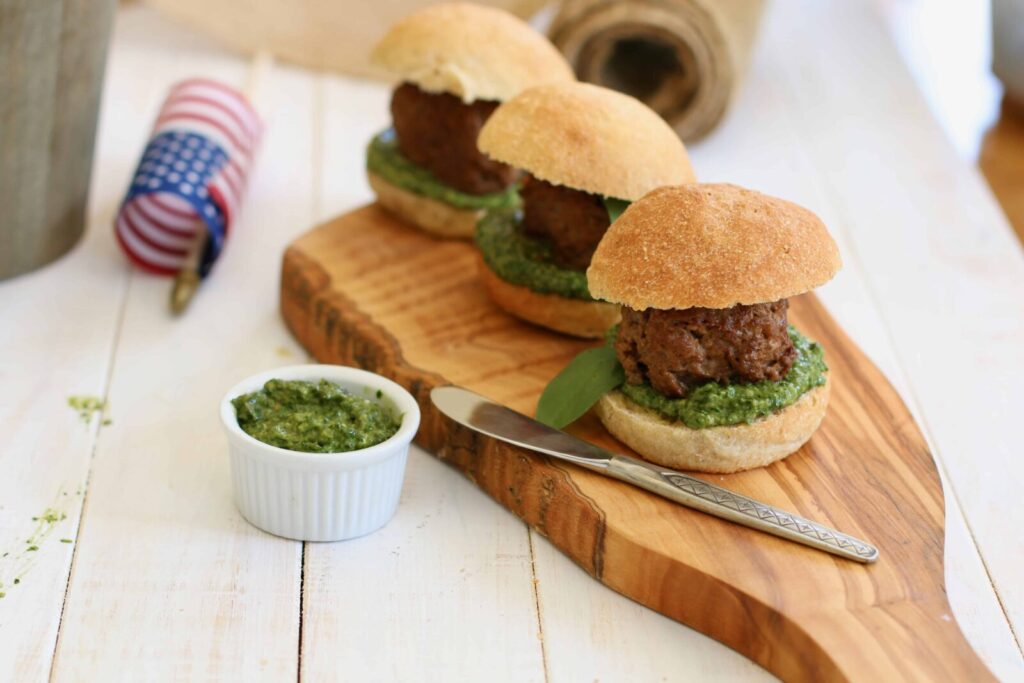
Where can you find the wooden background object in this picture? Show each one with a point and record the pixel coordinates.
(52, 56)
(319, 34)
(366, 290)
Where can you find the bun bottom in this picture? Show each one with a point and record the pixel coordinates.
(732, 448)
(431, 215)
(587, 319)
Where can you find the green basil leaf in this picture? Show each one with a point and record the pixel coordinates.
(614, 207)
(579, 385)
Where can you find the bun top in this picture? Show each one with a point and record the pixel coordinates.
(588, 138)
(711, 246)
(470, 51)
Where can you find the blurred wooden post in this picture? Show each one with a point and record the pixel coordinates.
(52, 56)
(1002, 149)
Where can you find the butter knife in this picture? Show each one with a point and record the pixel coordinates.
(487, 417)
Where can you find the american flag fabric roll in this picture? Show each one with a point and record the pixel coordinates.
(192, 177)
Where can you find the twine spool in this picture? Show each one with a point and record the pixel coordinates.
(684, 58)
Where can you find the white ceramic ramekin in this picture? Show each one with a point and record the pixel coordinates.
(320, 496)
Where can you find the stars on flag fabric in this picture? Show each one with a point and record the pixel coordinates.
(192, 177)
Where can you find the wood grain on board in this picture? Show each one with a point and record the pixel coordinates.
(367, 290)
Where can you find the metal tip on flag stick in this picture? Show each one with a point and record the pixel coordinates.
(188, 279)
(186, 282)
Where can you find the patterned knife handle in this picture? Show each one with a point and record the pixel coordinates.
(714, 500)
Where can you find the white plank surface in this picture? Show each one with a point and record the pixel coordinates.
(443, 593)
(168, 581)
(57, 333)
(448, 583)
(943, 268)
(788, 169)
(47, 449)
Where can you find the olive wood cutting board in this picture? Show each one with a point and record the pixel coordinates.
(367, 290)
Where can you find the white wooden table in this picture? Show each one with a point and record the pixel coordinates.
(158, 577)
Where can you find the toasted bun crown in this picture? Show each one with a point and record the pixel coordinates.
(711, 246)
(473, 52)
(588, 138)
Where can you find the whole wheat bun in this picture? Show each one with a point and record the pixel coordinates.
(587, 319)
(588, 138)
(470, 51)
(711, 246)
(433, 216)
(714, 449)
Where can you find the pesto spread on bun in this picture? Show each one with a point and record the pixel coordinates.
(715, 379)
(457, 62)
(587, 152)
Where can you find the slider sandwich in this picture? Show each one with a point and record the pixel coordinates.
(457, 62)
(715, 378)
(588, 152)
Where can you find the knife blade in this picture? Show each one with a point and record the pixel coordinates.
(500, 422)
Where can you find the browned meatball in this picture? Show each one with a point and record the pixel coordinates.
(676, 350)
(573, 221)
(439, 131)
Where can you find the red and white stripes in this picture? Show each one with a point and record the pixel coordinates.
(193, 174)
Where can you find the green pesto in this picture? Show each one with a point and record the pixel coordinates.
(716, 405)
(615, 207)
(313, 417)
(51, 516)
(86, 406)
(384, 159)
(525, 261)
